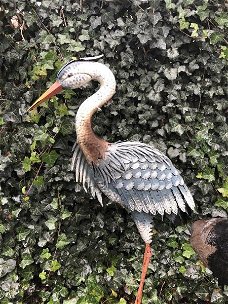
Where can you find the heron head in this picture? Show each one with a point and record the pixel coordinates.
(71, 76)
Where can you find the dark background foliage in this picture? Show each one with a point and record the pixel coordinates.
(169, 57)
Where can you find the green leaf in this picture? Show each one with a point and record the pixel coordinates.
(179, 259)
(65, 214)
(43, 275)
(55, 265)
(195, 28)
(224, 190)
(64, 39)
(114, 293)
(71, 301)
(50, 157)
(23, 234)
(16, 212)
(187, 250)
(183, 24)
(173, 244)
(38, 181)
(26, 261)
(26, 164)
(222, 19)
(169, 4)
(2, 228)
(224, 52)
(66, 127)
(222, 204)
(62, 110)
(45, 254)
(34, 116)
(216, 37)
(202, 11)
(111, 270)
(208, 174)
(54, 204)
(84, 36)
(1, 121)
(35, 158)
(51, 223)
(8, 251)
(62, 241)
(122, 301)
(23, 190)
(182, 269)
(75, 46)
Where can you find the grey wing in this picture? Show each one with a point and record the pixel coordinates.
(84, 173)
(142, 179)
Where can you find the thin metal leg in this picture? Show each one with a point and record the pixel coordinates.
(146, 261)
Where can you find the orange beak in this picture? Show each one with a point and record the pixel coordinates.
(52, 91)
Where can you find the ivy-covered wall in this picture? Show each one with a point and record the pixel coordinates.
(58, 245)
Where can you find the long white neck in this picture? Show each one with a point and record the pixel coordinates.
(92, 146)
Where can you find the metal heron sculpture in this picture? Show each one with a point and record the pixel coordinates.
(137, 176)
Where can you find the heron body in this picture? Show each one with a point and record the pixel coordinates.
(136, 175)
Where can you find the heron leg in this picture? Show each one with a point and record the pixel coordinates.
(146, 261)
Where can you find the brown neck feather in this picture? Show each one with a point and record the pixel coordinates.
(93, 147)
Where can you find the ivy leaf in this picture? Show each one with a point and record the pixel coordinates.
(35, 158)
(51, 223)
(23, 234)
(172, 244)
(216, 37)
(114, 293)
(207, 175)
(38, 181)
(179, 259)
(187, 250)
(62, 110)
(195, 28)
(182, 269)
(6, 266)
(71, 301)
(45, 254)
(64, 38)
(222, 19)
(122, 301)
(222, 204)
(50, 157)
(55, 265)
(27, 260)
(26, 164)
(65, 214)
(224, 190)
(54, 204)
(2, 228)
(1, 121)
(84, 36)
(224, 52)
(62, 241)
(183, 24)
(43, 275)
(111, 270)
(8, 252)
(171, 74)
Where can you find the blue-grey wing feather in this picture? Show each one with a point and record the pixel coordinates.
(84, 173)
(137, 176)
(142, 179)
